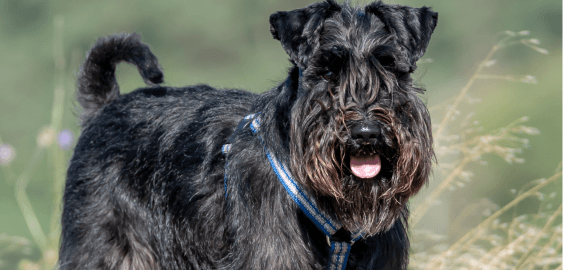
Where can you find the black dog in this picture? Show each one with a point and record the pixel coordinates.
(317, 176)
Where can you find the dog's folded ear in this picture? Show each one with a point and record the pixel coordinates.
(299, 30)
(411, 26)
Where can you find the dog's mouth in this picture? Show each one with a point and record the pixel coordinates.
(365, 166)
(369, 162)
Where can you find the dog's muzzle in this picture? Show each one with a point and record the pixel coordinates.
(365, 164)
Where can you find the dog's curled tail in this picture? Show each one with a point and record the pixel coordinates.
(97, 85)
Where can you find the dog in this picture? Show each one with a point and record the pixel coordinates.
(314, 173)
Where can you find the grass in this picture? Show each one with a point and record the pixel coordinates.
(500, 241)
(46, 145)
(505, 239)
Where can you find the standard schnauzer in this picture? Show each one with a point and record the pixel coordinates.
(313, 174)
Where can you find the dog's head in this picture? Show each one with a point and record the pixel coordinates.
(360, 136)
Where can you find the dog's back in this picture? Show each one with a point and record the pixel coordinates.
(130, 169)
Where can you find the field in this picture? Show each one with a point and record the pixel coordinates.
(493, 74)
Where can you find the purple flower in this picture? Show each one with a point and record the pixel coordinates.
(7, 154)
(65, 139)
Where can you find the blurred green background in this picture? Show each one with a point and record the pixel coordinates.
(227, 43)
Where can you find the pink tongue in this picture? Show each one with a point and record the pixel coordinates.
(365, 166)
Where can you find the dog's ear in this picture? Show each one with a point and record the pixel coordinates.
(299, 30)
(411, 26)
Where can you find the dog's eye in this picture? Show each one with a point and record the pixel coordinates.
(383, 55)
(329, 76)
(386, 60)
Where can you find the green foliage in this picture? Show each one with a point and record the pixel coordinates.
(227, 43)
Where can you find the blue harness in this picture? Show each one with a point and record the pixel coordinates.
(341, 242)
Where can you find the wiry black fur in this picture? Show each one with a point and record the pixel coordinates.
(145, 187)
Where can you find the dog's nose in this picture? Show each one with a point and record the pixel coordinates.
(365, 134)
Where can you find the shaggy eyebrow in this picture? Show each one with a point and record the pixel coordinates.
(334, 55)
(382, 50)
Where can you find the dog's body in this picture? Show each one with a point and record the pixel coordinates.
(149, 188)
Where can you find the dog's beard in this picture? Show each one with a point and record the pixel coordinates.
(323, 161)
(368, 204)
(363, 209)
(321, 152)
(362, 201)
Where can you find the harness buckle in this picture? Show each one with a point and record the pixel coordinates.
(341, 235)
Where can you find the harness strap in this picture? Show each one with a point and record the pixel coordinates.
(340, 241)
(339, 252)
